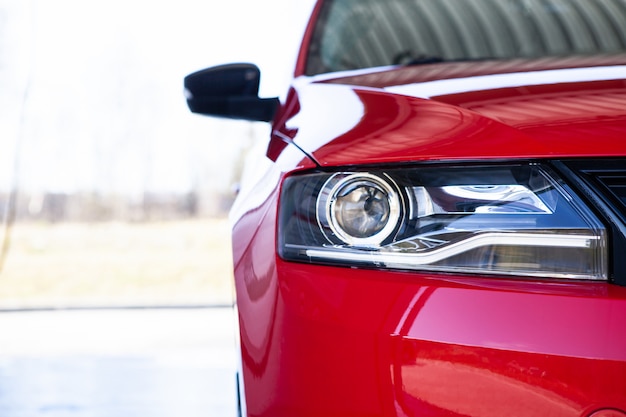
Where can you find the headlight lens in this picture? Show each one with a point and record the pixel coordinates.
(510, 220)
(361, 210)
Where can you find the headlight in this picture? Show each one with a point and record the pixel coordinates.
(511, 220)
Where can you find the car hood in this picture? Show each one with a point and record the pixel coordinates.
(462, 111)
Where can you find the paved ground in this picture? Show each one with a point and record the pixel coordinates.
(101, 363)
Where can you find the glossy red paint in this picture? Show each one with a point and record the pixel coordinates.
(526, 121)
(608, 413)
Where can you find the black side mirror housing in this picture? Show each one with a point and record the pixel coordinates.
(229, 91)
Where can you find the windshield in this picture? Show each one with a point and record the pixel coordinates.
(354, 34)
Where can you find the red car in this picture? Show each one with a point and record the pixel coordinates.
(438, 226)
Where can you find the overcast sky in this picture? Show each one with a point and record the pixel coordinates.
(92, 90)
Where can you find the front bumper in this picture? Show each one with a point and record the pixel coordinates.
(329, 341)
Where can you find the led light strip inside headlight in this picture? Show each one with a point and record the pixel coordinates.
(501, 219)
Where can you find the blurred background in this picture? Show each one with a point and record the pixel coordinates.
(115, 261)
(111, 192)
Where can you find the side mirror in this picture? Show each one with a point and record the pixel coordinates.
(229, 91)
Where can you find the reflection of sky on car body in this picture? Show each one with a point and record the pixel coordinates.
(351, 113)
(94, 89)
(492, 82)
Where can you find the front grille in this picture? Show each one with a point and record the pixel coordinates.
(615, 184)
(603, 183)
(606, 178)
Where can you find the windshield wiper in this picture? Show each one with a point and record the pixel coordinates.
(407, 58)
(423, 60)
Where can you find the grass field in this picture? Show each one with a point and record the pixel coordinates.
(117, 264)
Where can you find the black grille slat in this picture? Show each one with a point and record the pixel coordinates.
(606, 177)
(602, 182)
(615, 183)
